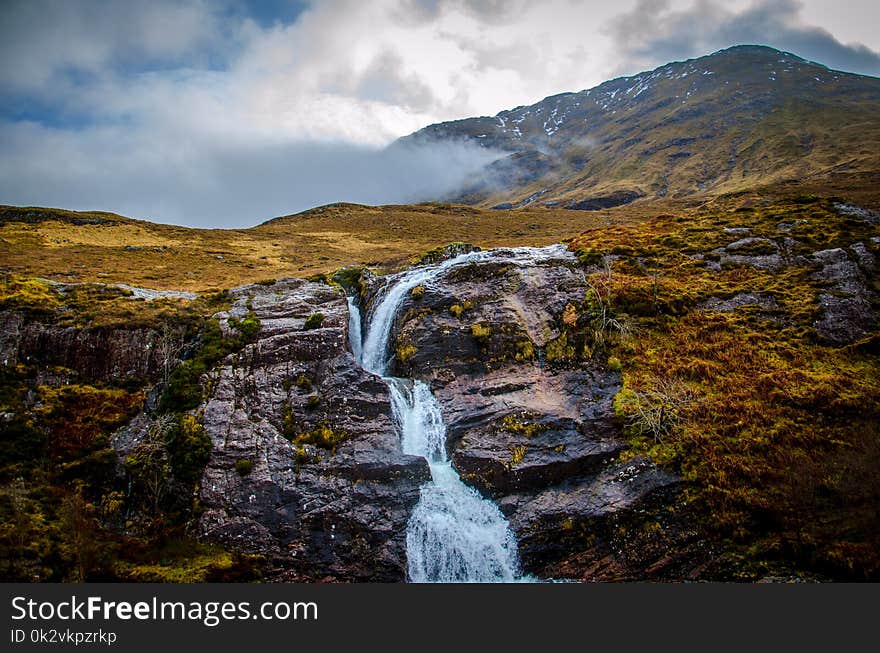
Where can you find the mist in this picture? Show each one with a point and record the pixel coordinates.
(220, 185)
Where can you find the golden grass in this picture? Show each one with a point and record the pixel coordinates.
(122, 250)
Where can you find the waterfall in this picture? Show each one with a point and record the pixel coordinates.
(453, 535)
(354, 329)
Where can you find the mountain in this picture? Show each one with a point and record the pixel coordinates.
(736, 119)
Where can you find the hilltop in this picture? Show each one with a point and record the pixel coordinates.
(740, 118)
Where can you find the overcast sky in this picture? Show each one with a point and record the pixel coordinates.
(225, 113)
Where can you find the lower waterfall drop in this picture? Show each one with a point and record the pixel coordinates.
(454, 534)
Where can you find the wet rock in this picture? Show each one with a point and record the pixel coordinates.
(497, 461)
(739, 232)
(865, 258)
(616, 525)
(871, 217)
(478, 316)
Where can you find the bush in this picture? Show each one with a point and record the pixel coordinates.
(244, 466)
(189, 448)
(314, 321)
(481, 332)
(322, 436)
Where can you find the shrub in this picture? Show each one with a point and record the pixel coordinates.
(418, 292)
(322, 436)
(655, 411)
(314, 321)
(244, 466)
(481, 332)
(189, 448)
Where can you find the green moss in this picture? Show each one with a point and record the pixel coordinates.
(482, 333)
(348, 277)
(456, 310)
(244, 466)
(189, 448)
(588, 257)
(322, 436)
(248, 326)
(517, 455)
(559, 349)
(404, 352)
(525, 351)
(418, 292)
(513, 424)
(303, 382)
(184, 391)
(314, 321)
(31, 295)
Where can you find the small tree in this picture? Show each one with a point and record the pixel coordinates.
(149, 465)
(655, 411)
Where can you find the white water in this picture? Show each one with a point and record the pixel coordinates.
(453, 535)
(354, 329)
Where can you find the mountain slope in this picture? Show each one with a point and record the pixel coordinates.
(735, 119)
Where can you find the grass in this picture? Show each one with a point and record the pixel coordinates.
(769, 426)
(113, 249)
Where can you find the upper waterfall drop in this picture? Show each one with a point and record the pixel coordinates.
(355, 335)
(380, 319)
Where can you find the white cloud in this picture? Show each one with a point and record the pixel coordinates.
(179, 110)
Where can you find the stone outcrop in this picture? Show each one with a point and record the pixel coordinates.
(325, 490)
(95, 354)
(847, 312)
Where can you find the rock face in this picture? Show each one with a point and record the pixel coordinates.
(101, 354)
(332, 503)
(847, 311)
(535, 435)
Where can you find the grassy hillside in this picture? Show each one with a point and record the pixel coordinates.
(740, 118)
(727, 382)
(70, 246)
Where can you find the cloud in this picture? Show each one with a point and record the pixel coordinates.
(210, 112)
(46, 43)
(218, 184)
(655, 32)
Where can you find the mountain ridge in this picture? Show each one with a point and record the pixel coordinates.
(737, 118)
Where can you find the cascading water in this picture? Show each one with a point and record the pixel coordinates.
(453, 535)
